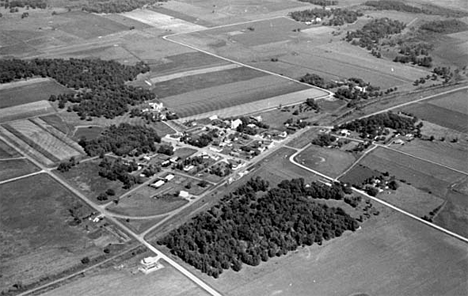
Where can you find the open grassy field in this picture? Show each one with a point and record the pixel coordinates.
(42, 140)
(88, 132)
(126, 281)
(390, 255)
(202, 81)
(56, 121)
(12, 168)
(6, 151)
(331, 162)
(87, 25)
(423, 175)
(25, 111)
(85, 177)
(305, 138)
(453, 155)
(184, 62)
(144, 203)
(36, 240)
(457, 102)
(141, 225)
(22, 94)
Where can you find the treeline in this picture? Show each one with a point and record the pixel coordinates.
(124, 139)
(317, 80)
(117, 6)
(426, 9)
(321, 2)
(375, 125)
(444, 26)
(24, 3)
(372, 32)
(100, 85)
(324, 140)
(337, 17)
(248, 227)
(117, 169)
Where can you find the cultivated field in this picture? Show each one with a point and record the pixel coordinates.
(12, 168)
(331, 162)
(144, 202)
(457, 102)
(6, 151)
(43, 141)
(36, 240)
(56, 121)
(58, 134)
(25, 111)
(447, 118)
(358, 174)
(39, 89)
(390, 255)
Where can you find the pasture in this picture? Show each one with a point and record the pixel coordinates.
(6, 151)
(328, 161)
(453, 217)
(42, 140)
(146, 202)
(36, 239)
(12, 168)
(391, 255)
(42, 90)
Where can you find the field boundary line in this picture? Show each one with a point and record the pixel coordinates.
(356, 162)
(22, 177)
(437, 227)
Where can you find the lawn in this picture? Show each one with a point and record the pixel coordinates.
(391, 255)
(12, 168)
(36, 239)
(143, 202)
(328, 161)
(6, 151)
(29, 93)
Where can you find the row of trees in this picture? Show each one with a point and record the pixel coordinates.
(124, 139)
(444, 26)
(117, 6)
(99, 85)
(248, 227)
(25, 3)
(321, 2)
(335, 17)
(376, 125)
(426, 9)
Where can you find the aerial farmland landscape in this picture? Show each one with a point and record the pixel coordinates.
(234, 147)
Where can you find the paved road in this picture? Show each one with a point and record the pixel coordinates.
(291, 159)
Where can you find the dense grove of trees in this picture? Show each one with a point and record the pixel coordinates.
(324, 140)
(25, 3)
(119, 170)
(371, 33)
(250, 226)
(426, 9)
(375, 125)
(317, 80)
(335, 17)
(117, 6)
(100, 85)
(124, 139)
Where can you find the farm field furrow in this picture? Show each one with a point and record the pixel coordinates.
(206, 80)
(58, 134)
(193, 72)
(12, 168)
(228, 95)
(24, 147)
(441, 116)
(43, 139)
(6, 151)
(25, 111)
